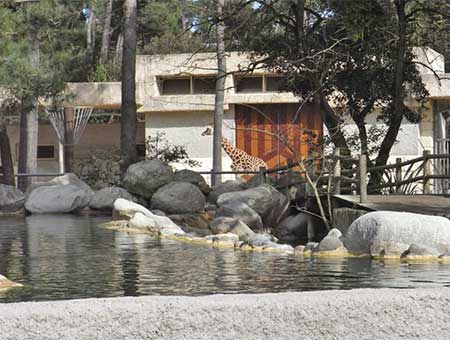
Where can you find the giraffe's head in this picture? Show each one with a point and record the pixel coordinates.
(208, 131)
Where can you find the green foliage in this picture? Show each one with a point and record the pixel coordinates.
(106, 72)
(158, 147)
(100, 169)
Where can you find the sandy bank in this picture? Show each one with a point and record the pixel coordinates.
(357, 314)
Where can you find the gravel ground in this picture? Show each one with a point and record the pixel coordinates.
(358, 314)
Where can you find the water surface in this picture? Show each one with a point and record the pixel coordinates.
(69, 257)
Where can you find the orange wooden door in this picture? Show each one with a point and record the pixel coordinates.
(277, 132)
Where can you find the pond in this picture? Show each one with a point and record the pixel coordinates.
(71, 257)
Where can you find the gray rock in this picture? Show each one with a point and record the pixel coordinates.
(223, 238)
(104, 199)
(242, 212)
(67, 179)
(222, 225)
(310, 246)
(193, 221)
(12, 200)
(329, 243)
(259, 240)
(192, 177)
(278, 247)
(210, 207)
(387, 249)
(125, 209)
(179, 198)
(228, 186)
(158, 212)
(344, 217)
(417, 251)
(256, 181)
(397, 227)
(160, 225)
(335, 233)
(265, 200)
(292, 229)
(299, 249)
(294, 184)
(56, 199)
(144, 178)
(242, 230)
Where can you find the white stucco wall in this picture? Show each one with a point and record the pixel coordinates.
(185, 128)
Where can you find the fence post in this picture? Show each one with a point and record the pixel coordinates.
(262, 174)
(398, 174)
(426, 172)
(362, 178)
(337, 172)
(213, 178)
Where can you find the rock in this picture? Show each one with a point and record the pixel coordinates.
(6, 284)
(242, 230)
(387, 250)
(418, 252)
(265, 200)
(222, 225)
(124, 209)
(335, 233)
(259, 240)
(272, 246)
(294, 184)
(57, 199)
(155, 224)
(292, 229)
(104, 199)
(145, 177)
(242, 212)
(396, 227)
(210, 207)
(299, 249)
(193, 221)
(329, 243)
(67, 179)
(226, 239)
(192, 177)
(228, 186)
(256, 181)
(12, 200)
(158, 212)
(179, 198)
(309, 247)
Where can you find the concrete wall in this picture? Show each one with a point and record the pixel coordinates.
(95, 137)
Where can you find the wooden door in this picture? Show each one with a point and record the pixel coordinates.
(277, 132)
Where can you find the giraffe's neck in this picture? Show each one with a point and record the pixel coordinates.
(228, 148)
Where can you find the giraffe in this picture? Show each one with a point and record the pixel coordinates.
(242, 161)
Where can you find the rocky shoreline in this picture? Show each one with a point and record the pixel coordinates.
(357, 314)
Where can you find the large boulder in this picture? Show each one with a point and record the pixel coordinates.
(12, 200)
(179, 198)
(265, 200)
(160, 225)
(67, 179)
(57, 199)
(125, 209)
(145, 177)
(104, 199)
(388, 227)
(223, 225)
(192, 177)
(241, 212)
(293, 229)
(228, 186)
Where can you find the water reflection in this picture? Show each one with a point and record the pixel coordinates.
(61, 257)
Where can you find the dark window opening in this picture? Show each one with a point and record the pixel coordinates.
(249, 84)
(46, 152)
(274, 84)
(204, 85)
(176, 86)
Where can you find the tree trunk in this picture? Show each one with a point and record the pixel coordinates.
(28, 134)
(90, 37)
(399, 89)
(106, 37)
(28, 141)
(128, 119)
(331, 122)
(119, 48)
(220, 93)
(5, 155)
